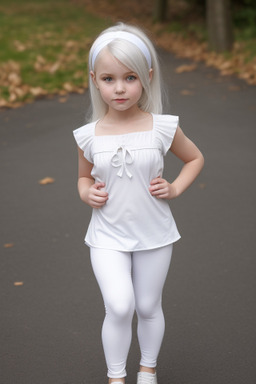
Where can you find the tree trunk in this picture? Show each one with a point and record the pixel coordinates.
(160, 11)
(219, 25)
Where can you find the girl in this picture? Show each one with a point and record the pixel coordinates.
(132, 230)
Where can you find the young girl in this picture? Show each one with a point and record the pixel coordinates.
(132, 230)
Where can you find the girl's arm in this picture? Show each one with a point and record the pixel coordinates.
(89, 191)
(187, 151)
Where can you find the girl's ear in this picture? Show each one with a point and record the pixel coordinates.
(150, 74)
(93, 77)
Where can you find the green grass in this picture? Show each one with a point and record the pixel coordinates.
(59, 31)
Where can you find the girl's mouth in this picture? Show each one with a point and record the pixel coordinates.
(120, 100)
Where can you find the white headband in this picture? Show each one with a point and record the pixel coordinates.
(106, 38)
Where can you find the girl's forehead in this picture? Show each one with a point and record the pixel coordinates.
(106, 60)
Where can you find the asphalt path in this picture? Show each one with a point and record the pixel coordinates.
(51, 308)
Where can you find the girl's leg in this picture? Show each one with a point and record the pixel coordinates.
(150, 269)
(113, 273)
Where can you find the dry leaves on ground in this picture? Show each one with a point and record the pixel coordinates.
(46, 180)
(237, 64)
(20, 92)
(10, 78)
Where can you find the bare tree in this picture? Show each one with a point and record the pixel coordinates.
(160, 11)
(219, 25)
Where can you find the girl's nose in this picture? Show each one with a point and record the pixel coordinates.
(120, 87)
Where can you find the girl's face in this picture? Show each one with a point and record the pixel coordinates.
(120, 88)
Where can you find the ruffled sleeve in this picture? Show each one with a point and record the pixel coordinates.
(84, 139)
(165, 129)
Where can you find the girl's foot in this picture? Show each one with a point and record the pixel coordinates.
(146, 378)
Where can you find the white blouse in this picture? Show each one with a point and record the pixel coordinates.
(132, 219)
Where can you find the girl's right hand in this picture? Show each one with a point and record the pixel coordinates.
(96, 198)
(90, 192)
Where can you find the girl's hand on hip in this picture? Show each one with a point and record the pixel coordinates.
(161, 189)
(96, 198)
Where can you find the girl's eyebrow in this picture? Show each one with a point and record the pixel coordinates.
(106, 74)
(112, 74)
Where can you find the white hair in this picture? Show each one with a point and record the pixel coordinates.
(132, 57)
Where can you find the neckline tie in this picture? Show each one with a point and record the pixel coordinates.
(121, 158)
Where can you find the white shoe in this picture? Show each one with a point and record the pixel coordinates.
(146, 378)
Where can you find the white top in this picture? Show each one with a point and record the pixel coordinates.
(132, 219)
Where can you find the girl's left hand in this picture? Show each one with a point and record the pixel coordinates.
(161, 189)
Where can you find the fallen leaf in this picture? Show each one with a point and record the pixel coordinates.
(37, 91)
(68, 87)
(63, 99)
(62, 92)
(186, 68)
(71, 44)
(225, 65)
(18, 283)
(14, 79)
(234, 88)
(46, 180)
(12, 97)
(19, 46)
(40, 63)
(40, 59)
(54, 67)
(186, 92)
(78, 74)
(3, 103)
(80, 91)
(8, 245)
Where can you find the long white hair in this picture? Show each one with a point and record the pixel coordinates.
(132, 57)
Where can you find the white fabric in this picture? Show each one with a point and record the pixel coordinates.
(131, 281)
(132, 219)
(146, 378)
(106, 38)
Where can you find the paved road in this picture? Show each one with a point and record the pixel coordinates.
(50, 325)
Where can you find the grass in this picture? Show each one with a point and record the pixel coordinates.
(45, 44)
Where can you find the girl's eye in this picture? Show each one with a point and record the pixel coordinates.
(107, 79)
(131, 78)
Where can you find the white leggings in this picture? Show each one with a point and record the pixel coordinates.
(128, 282)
